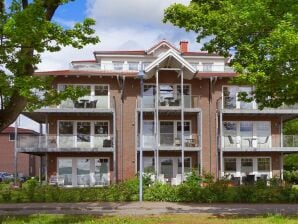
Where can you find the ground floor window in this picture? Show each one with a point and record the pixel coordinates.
(87, 171)
(247, 168)
(170, 168)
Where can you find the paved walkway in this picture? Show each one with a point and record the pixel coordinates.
(146, 208)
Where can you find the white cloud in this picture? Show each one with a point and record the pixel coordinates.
(122, 25)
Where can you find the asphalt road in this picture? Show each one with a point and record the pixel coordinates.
(146, 208)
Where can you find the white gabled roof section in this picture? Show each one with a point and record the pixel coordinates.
(161, 45)
(170, 59)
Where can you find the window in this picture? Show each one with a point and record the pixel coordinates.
(65, 170)
(230, 164)
(166, 133)
(83, 172)
(101, 172)
(83, 131)
(230, 134)
(229, 97)
(12, 137)
(187, 165)
(207, 67)
(101, 128)
(65, 128)
(264, 164)
(148, 134)
(247, 165)
(148, 165)
(102, 90)
(118, 65)
(134, 66)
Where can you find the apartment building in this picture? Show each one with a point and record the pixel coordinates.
(174, 106)
(27, 165)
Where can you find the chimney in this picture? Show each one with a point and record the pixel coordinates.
(183, 46)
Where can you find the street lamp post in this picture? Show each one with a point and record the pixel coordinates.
(141, 75)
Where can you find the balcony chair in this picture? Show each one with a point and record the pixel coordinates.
(264, 142)
(91, 104)
(78, 104)
(107, 143)
(231, 140)
(177, 142)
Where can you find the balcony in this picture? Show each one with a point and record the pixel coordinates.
(244, 143)
(168, 141)
(290, 140)
(65, 143)
(232, 105)
(108, 66)
(170, 102)
(213, 68)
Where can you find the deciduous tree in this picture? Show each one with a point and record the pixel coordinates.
(26, 30)
(261, 35)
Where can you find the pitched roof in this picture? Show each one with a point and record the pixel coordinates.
(161, 43)
(10, 130)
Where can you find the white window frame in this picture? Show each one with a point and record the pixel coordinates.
(254, 105)
(74, 132)
(254, 143)
(255, 171)
(92, 90)
(92, 170)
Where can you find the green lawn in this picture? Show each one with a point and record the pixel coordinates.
(163, 219)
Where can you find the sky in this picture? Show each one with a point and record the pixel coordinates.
(120, 25)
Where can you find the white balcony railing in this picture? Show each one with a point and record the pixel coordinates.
(232, 104)
(65, 142)
(136, 66)
(190, 101)
(88, 102)
(290, 140)
(170, 140)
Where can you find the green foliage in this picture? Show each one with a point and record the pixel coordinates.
(291, 176)
(261, 35)
(191, 190)
(291, 127)
(26, 31)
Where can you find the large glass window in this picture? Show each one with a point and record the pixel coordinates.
(83, 171)
(187, 165)
(166, 168)
(230, 165)
(166, 95)
(264, 164)
(65, 171)
(101, 128)
(102, 90)
(148, 165)
(186, 93)
(246, 133)
(134, 66)
(207, 67)
(148, 134)
(229, 97)
(101, 171)
(167, 133)
(263, 129)
(148, 97)
(230, 133)
(83, 131)
(118, 65)
(247, 165)
(66, 138)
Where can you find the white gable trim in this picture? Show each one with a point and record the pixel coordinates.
(171, 53)
(160, 44)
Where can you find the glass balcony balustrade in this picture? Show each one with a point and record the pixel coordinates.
(65, 142)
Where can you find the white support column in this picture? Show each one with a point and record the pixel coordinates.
(221, 141)
(114, 148)
(201, 141)
(16, 124)
(46, 168)
(47, 130)
(182, 124)
(281, 133)
(136, 140)
(281, 165)
(157, 122)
